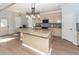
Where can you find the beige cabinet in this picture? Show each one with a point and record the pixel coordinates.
(57, 32)
(41, 44)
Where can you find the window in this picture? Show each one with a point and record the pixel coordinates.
(3, 23)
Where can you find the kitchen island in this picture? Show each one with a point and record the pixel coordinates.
(38, 40)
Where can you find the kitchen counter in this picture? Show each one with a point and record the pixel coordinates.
(37, 40)
(39, 32)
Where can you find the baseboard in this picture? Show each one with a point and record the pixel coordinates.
(71, 42)
(35, 50)
(66, 39)
(9, 34)
(6, 40)
(75, 43)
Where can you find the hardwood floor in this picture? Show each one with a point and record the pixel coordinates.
(63, 47)
(59, 47)
(14, 47)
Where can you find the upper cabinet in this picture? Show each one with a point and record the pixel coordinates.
(53, 17)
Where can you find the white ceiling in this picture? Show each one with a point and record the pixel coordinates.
(2, 5)
(26, 7)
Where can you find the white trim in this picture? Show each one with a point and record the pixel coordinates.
(40, 52)
(75, 43)
(71, 41)
(6, 39)
(51, 12)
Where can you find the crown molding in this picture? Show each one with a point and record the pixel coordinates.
(51, 12)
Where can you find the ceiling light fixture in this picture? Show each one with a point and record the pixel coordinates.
(33, 14)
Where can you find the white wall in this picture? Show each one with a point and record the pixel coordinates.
(13, 21)
(10, 16)
(30, 22)
(69, 22)
(18, 21)
(24, 20)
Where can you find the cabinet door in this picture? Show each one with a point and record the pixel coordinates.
(35, 42)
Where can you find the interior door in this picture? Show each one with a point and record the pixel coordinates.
(68, 27)
(4, 28)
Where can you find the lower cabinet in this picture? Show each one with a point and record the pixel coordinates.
(41, 44)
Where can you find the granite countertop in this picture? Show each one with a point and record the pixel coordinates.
(40, 32)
